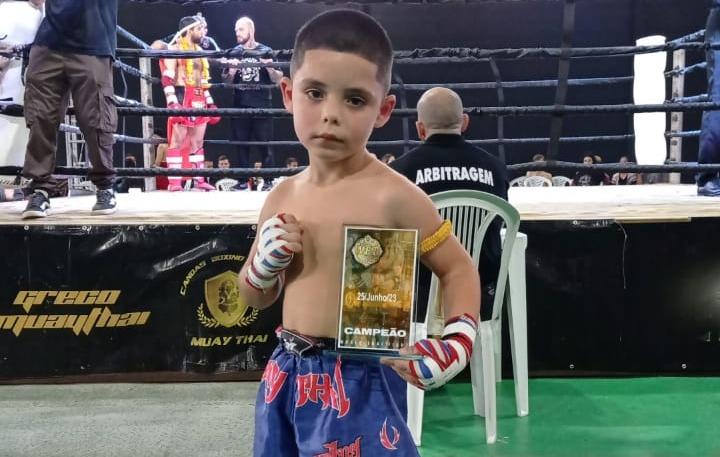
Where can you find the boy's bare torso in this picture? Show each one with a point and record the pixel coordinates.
(312, 290)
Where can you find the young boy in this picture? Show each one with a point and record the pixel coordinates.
(311, 403)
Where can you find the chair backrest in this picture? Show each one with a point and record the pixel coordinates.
(471, 213)
(518, 182)
(226, 184)
(561, 181)
(537, 181)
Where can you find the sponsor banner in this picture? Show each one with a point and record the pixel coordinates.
(613, 297)
(123, 299)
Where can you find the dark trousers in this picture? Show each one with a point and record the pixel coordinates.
(710, 128)
(50, 79)
(252, 129)
(709, 145)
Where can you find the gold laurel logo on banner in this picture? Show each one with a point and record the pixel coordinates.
(225, 304)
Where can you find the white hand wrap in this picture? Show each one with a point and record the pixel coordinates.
(208, 98)
(443, 359)
(272, 256)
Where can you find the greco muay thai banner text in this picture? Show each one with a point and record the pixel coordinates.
(126, 299)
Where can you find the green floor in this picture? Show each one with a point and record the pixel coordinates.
(582, 417)
(672, 417)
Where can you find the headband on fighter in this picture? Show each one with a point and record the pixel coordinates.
(190, 22)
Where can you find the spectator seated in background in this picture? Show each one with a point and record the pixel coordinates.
(598, 160)
(387, 158)
(125, 183)
(291, 162)
(544, 174)
(223, 163)
(257, 182)
(622, 178)
(590, 177)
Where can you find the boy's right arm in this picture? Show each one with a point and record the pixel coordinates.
(279, 237)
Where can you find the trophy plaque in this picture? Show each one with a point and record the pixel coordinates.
(377, 299)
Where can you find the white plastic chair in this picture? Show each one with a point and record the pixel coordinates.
(561, 181)
(518, 182)
(226, 184)
(471, 213)
(537, 181)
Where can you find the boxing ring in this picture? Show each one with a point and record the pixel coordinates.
(134, 296)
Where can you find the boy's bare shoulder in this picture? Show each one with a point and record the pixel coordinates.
(405, 203)
(282, 192)
(398, 186)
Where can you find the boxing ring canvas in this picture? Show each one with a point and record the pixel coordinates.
(620, 279)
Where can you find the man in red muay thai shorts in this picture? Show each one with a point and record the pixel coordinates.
(185, 84)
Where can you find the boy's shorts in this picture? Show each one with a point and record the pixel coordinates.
(318, 404)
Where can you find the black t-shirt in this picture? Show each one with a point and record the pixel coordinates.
(254, 98)
(588, 178)
(80, 26)
(448, 162)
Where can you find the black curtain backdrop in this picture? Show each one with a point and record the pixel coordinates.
(496, 24)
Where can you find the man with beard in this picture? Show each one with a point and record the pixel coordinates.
(189, 80)
(258, 128)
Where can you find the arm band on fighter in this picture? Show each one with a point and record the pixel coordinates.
(170, 97)
(168, 83)
(440, 235)
(167, 78)
(208, 98)
(443, 359)
(271, 258)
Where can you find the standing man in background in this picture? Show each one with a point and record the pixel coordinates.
(708, 183)
(256, 128)
(445, 161)
(73, 53)
(186, 84)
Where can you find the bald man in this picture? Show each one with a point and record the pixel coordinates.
(251, 128)
(445, 161)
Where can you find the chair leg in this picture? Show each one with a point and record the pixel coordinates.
(497, 334)
(476, 378)
(416, 397)
(415, 403)
(488, 355)
(517, 323)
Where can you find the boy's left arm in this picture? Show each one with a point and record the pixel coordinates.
(460, 284)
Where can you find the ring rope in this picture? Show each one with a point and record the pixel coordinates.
(627, 108)
(476, 54)
(554, 166)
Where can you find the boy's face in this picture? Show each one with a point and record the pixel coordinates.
(336, 102)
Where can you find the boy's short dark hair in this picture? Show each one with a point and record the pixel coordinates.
(223, 157)
(345, 30)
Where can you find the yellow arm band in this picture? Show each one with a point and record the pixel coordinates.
(440, 235)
